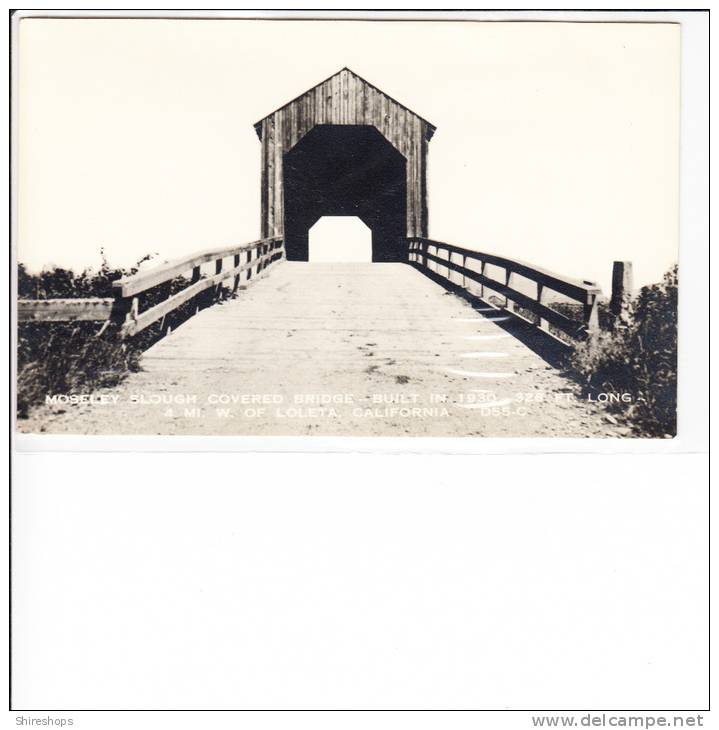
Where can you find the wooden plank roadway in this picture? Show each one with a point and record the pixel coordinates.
(403, 357)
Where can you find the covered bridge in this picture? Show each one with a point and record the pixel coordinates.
(345, 148)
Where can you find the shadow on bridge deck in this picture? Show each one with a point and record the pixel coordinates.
(549, 348)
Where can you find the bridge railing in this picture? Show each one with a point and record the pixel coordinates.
(125, 307)
(461, 266)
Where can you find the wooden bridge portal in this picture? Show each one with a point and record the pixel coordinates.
(345, 148)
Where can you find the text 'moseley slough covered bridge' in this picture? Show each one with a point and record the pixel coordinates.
(345, 148)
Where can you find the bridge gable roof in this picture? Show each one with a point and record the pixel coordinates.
(345, 72)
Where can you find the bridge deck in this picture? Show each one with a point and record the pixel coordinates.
(384, 336)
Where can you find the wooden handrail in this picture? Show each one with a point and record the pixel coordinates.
(573, 288)
(585, 292)
(124, 308)
(144, 280)
(64, 310)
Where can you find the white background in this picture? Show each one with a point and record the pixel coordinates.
(353, 581)
(569, 580)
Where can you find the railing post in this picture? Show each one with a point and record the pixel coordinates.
(482, 265)
(130, 307)
(248, 263)
(196, 276)
(235, 264)
(541, 299)
(508, 276)
(591, 314)
(622, 286)
(217, 289)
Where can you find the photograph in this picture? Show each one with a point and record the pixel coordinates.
(272, 227)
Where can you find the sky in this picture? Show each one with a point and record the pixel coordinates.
(556, 143)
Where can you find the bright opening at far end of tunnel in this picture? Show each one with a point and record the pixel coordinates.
(344, 239)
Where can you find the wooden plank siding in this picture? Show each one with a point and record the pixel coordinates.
(343, 99)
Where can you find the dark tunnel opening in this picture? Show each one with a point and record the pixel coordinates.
(346, 170)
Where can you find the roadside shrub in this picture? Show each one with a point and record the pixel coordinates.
(74, 357)
(639, 356)
(61, 357)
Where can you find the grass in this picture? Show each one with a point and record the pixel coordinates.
(79, 357)
(638, 356)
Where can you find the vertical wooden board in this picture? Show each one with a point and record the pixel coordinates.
(327, 102)
(376, 111)
(409, 138)
(312, 116)
(331, 96)
(402, 126)
(293, 120)
(397, 114)
(270, 174)
(411, 194)
(279, 197)
(297, 121)
(371, 108)
(318, 107)
(420, 183)
(423, 177)
(417, 157)
(384, 122)
(315, 111)
(346, 98)
(279, 148)
(355, 104)
(352, 101)
(302, 114)
(343, 97)
(410, 203)
(263, 181)
(402, 119)
(287, 125)
(359, 102)
(337, 99)
(387, 119)
(382, 116)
